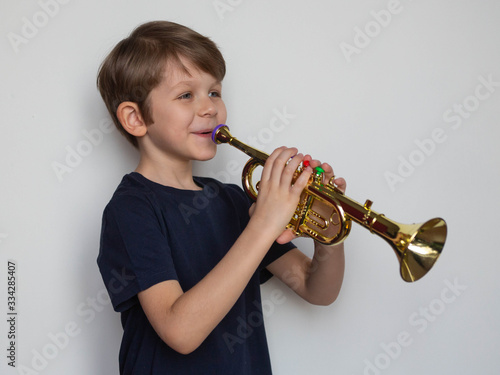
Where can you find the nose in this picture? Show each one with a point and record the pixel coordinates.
(207, 107)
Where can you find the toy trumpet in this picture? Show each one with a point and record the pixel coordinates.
(325, 214)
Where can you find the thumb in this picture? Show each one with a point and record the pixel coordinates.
(251, 209)
(286, 236)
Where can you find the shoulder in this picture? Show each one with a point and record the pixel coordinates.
(132, 184)
(132, 194)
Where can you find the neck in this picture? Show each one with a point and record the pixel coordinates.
(173, 173)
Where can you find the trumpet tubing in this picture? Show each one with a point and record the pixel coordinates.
(325, 214)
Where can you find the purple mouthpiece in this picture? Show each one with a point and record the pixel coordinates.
(215, 132)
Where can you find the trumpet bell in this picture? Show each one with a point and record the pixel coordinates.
(421, 248)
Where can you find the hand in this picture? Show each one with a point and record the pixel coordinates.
(287, 235)
(278, 198)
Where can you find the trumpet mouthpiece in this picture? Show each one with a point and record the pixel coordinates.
(217, 137)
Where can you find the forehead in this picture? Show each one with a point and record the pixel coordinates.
(181, 69)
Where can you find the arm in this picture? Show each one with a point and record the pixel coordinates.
(183, 319)
(317, 280)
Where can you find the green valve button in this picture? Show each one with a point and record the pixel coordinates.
(319, 170)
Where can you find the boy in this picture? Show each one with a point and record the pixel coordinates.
(187, 282)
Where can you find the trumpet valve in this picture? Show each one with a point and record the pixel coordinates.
(368, 204)
(318, 175)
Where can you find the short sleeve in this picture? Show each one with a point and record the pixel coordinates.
(275, 252)
(134, 252)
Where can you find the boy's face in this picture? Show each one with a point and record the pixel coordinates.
(185, 109)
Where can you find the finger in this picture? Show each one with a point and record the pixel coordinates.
(302, 180)
(291, 167)
(281, 165)
(251, 209)
(314, 163)
(341, 184)
(266, 172)
(328, 173)
(328, 169)
(286, 236)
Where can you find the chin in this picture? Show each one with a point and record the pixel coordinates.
(206, 156)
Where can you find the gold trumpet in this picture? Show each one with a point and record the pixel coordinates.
(325, 214)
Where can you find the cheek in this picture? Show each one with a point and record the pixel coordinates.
(222, 113)
(175, 115)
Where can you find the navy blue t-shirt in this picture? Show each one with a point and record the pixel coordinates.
(152, 233)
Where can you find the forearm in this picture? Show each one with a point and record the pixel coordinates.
(317, 280)
(325, 274)
(195, 313)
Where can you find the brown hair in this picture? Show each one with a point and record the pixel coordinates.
(136, 65)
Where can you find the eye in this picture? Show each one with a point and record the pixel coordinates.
(215, 94)
(186, 95)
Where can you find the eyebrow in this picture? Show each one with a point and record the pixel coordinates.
(188, 82)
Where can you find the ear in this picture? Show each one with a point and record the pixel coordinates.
(130, 117)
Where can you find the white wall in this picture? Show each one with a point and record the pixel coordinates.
(362, 103)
